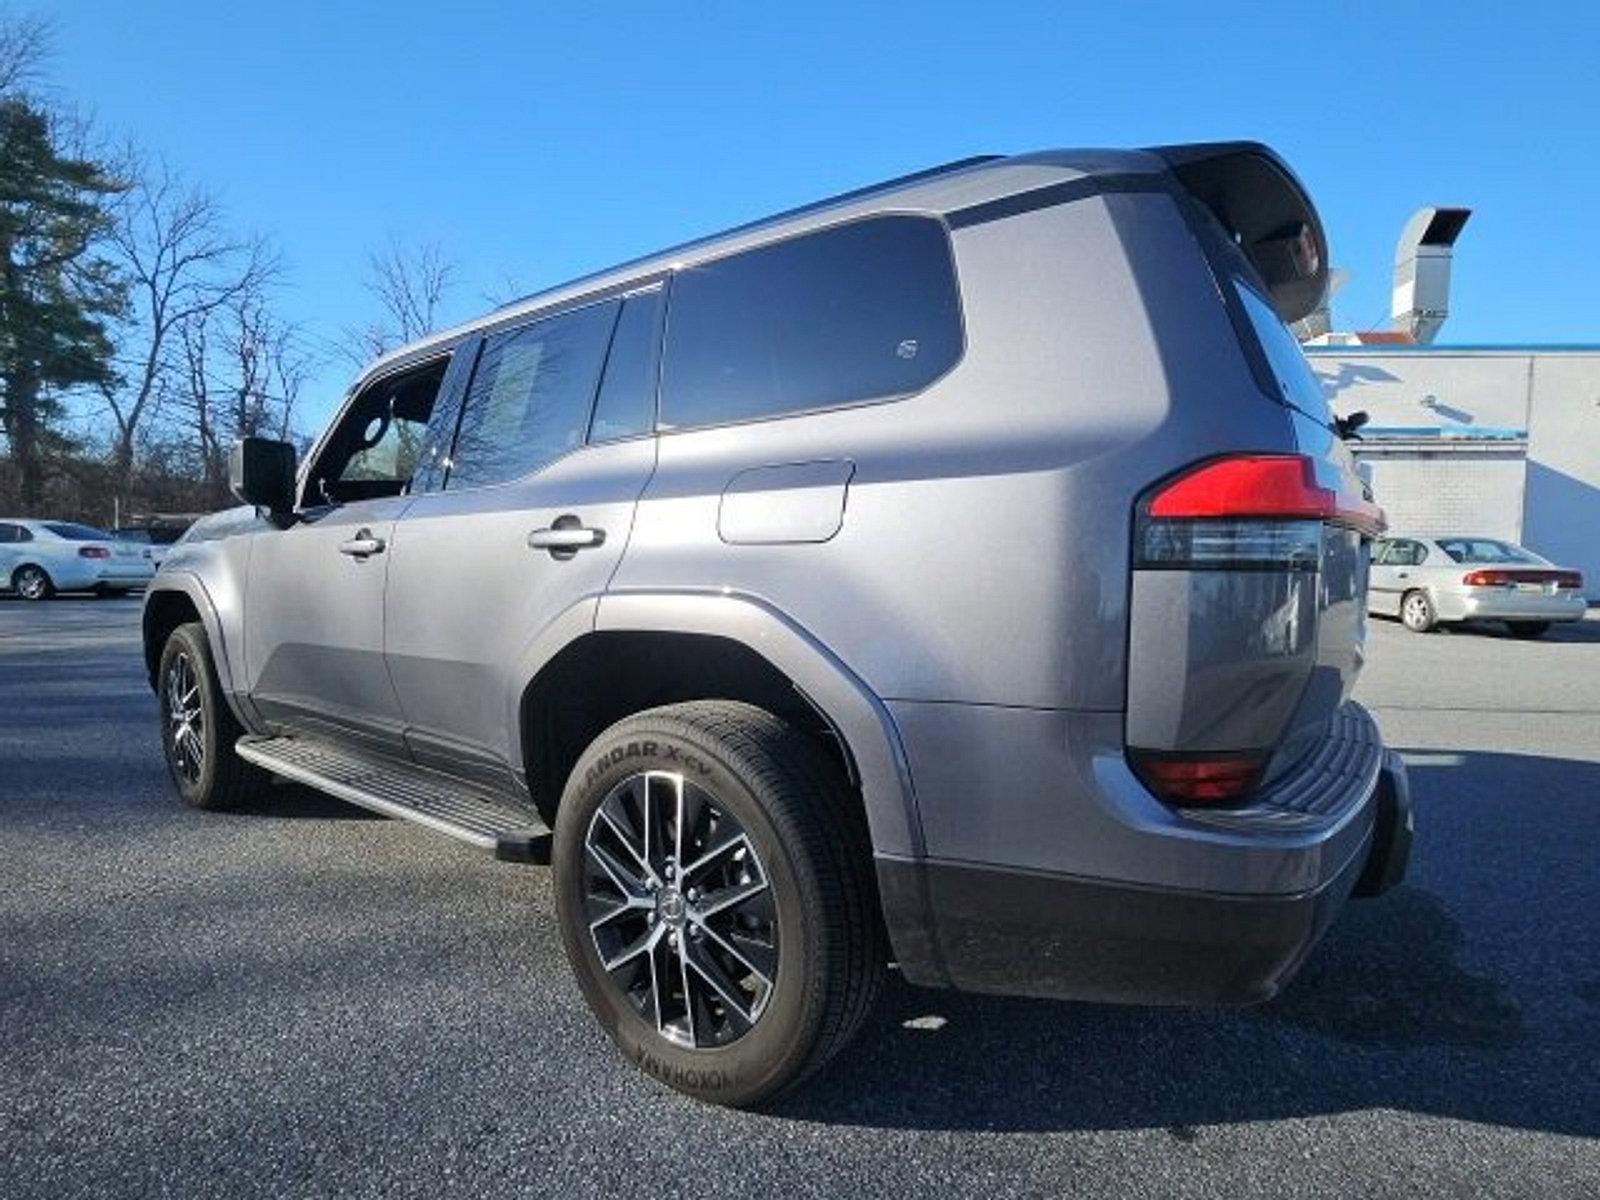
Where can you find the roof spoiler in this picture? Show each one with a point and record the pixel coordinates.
(1257, 199)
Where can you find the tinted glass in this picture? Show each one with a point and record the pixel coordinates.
(627, 401)
(9, 533)
(77, 533)
(132, 535)
(1485, 550)
(859, 312)
(530, 396)
(1296, 383)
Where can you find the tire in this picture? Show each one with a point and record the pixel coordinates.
(33, 582)
(1417, 612)
(798, 962)
(198, 729)
(1528, 629)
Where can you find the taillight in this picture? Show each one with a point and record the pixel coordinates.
(93, 552)
(1199, 778)
(1509, 578)
(1240, 513)
(1271, 486)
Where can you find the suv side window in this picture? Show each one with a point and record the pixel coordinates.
(375, 448)
(530, 397)
(868, 310)
(626, 405)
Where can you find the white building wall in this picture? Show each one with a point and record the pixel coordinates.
(1426, 492)
(1550, 502)
(1562, 510)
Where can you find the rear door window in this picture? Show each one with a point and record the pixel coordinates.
(531, 396)
(863, 311)
(626, 405)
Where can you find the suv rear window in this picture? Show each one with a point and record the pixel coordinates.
(1297, 386)
(863, 311)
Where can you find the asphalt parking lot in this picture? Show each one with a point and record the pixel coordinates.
(304, 1000)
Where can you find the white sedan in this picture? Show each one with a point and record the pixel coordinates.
(1428, 580)
(40, 558)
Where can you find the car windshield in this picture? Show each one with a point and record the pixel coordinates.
(132, 535)
(77, 533)
(1484, 550)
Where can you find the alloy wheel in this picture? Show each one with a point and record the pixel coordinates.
(680, 909)
(32, 583)
(185, 718)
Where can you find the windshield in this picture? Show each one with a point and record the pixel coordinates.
(77, 533)
(132, 535)
(1484, 550)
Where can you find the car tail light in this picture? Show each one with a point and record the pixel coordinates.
(93, 552)
(1242, 512)
(1509, 578)
(1202, 778)
(1269, 486)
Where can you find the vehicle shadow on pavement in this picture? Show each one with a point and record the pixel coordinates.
(1470, 992)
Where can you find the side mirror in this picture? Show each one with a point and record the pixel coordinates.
(1346, 427)
(261, 472)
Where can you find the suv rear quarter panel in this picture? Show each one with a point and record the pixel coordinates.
(983, 552)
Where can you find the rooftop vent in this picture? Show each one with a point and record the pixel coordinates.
(1421, 299)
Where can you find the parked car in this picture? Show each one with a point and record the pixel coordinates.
(1428, 580)
(964, 572)
(40, 558)
(154, 539)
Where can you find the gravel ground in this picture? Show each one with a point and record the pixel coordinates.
(307, 1001)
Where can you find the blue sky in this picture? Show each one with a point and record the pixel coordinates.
(539, 141)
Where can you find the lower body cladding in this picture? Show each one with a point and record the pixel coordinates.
(1052, 871)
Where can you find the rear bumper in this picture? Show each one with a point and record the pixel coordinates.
(1498, 604)
(997, 928)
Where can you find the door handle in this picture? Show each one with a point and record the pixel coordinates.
(565, 537)
(1402, 574)
(362, 545)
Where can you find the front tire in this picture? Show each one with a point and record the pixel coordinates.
(198, 729)
(1417, 612)
(1528, 629)
(33, 582)
(715, 891)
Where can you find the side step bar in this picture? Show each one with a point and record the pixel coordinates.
(395, 789)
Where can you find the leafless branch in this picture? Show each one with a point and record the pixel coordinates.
(409, 284)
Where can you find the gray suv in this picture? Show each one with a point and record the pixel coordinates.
(963, 574)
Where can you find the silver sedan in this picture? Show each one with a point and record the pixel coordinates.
(1424, 581)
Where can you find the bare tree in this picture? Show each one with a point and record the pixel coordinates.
(24, 44)
(242, 372)
(183, 264)
(409, 284)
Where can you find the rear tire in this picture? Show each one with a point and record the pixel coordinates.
(1528, 629)
(33, 582)
(716, 896)
(198, 729)
(1417, 612)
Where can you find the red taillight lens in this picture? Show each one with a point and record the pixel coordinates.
(93, 552)
(1505, 578)
(1283, 486)
(1214, 778)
